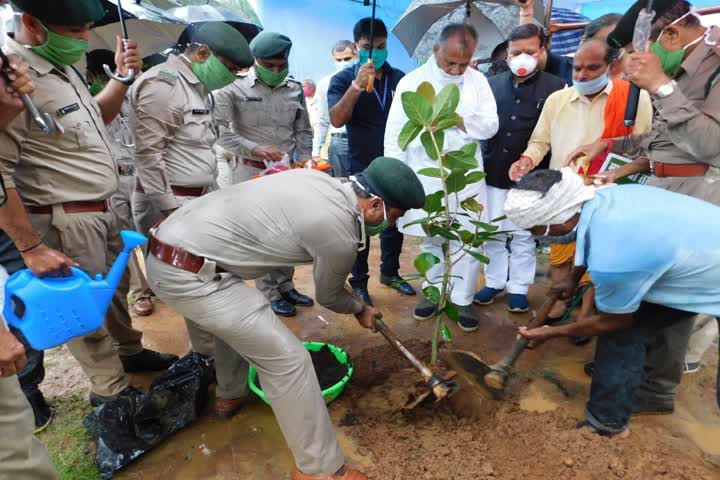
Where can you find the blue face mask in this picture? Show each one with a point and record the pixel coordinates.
(378, 57)
(591, 87)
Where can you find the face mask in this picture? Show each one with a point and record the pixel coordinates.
(375, 230)
(61, 50)
(212, 73)
(671, 60)
(307, 91)
(545, 239)
(342, 64)
(523, 65)
(270, 78)
(96, 86)
(378, 57)
(591, 87)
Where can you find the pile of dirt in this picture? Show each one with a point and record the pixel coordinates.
(327, 367)
(433, 443)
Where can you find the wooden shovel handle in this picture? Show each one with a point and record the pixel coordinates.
(371, 81)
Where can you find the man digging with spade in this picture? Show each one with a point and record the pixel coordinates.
(646, 279)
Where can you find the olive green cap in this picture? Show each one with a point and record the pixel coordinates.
(623, 33)
(62, 12)
(224, 40)
(271, 45)
(394, 182)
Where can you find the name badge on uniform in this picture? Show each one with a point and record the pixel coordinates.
(200, 111)
(253, 99)
(69, 109)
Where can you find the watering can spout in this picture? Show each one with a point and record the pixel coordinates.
(105, 289)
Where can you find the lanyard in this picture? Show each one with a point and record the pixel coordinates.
(382, 102)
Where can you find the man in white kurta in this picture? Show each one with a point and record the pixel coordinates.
(449, 64)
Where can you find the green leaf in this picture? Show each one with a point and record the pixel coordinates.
(425, 261)
(456, 181)
(417, 108)
(451, 311)
(445, 123)
(471, 205)
(446, 333)
(427, 91)
(427, 142)
(485, 226)
(419, 221)
(498, 219)
(413, 276)
(443, 232)
(466, 236)
(446, 102)
(430, 172)
(469, 149)
(433, 202)
(409, 133)
(458, 160)
(475, 177)
(478, 257)
(432, 294)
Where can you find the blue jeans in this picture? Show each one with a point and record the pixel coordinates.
(338, 156)
(619, 366)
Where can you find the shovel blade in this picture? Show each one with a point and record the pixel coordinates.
(473, 370)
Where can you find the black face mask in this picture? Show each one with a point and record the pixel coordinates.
(560, 239)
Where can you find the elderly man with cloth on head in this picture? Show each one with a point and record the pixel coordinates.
(645, 280)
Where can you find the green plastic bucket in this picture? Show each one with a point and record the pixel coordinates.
(329, 394)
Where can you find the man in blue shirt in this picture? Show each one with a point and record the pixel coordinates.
(365, 115)
(646, 280)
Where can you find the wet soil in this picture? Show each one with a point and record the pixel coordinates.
(327, 367)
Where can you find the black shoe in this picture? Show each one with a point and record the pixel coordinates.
(468, 321)
(97, 400)
(42, 411)
(296, 298)
(425, 310)
(147, 361)
(283, 308)
(644, 407)
(363, 294)
(396, 282)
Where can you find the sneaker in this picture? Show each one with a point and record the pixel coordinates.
(396, 282)
(41, 410)
(363, 294)
(486, 296)
(691, 367)
(468, 321)
(517, 303)
(424, 310)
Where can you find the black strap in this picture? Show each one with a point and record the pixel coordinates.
(709, 84)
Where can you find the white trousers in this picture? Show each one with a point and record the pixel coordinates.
(513, 269)
(462, 289)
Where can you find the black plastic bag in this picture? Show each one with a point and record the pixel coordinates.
(131, 425)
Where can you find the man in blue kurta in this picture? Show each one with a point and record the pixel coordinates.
(654, 257)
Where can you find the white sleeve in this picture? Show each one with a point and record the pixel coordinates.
(323, 121)
(482, 122)
(395, 123)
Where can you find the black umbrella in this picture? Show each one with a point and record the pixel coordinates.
(371, 83)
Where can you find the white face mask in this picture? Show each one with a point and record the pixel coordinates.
(339, 65)
(523, 65)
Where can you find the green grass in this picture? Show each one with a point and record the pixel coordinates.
(67, 440)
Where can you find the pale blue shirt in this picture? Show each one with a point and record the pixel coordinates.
(645, 244)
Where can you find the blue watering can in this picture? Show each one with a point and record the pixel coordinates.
(51, 311)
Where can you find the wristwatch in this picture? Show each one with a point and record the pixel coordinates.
(666, 90)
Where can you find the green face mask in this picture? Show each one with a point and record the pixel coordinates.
(268, 77)
(96, 86)
(377, 229)
(212, 73)
(379, 57)
(61, 50)
(671, 60)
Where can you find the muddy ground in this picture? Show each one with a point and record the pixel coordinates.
(529, 435)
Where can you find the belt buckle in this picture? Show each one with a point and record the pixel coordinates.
(652, 167)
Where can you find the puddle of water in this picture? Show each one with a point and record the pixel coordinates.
(707, 437)
(535, 400)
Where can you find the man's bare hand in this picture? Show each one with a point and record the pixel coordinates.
(645, 70)
(590, 151)
(271, 153)
(127, 56)
(537, 336)
(521, 168)
(12, 354)
(43, 261)
(605, 178)
(365, 73)
(366, 318)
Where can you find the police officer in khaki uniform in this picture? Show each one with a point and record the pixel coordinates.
(122, 148)
(262, 118)
(171, 117)
(58, 184)
(202, 255)
(22, 456)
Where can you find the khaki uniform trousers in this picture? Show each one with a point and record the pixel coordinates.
(241, 317)
(93, 241)
(22, 456)
(146, 216)
(121, 204)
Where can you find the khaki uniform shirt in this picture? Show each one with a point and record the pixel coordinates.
(686, 127)
(172, 122)
(74, 164)
(261, 115)
(252, 228)
(121, 138)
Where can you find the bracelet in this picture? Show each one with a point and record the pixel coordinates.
(356, 86)
(32, 248)
(610, 144)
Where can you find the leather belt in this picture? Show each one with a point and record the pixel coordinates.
(339, 134)
(253, 163)
(660, 169)
(73, 207)
(177, 257)
(126, 169)
(177, 190)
